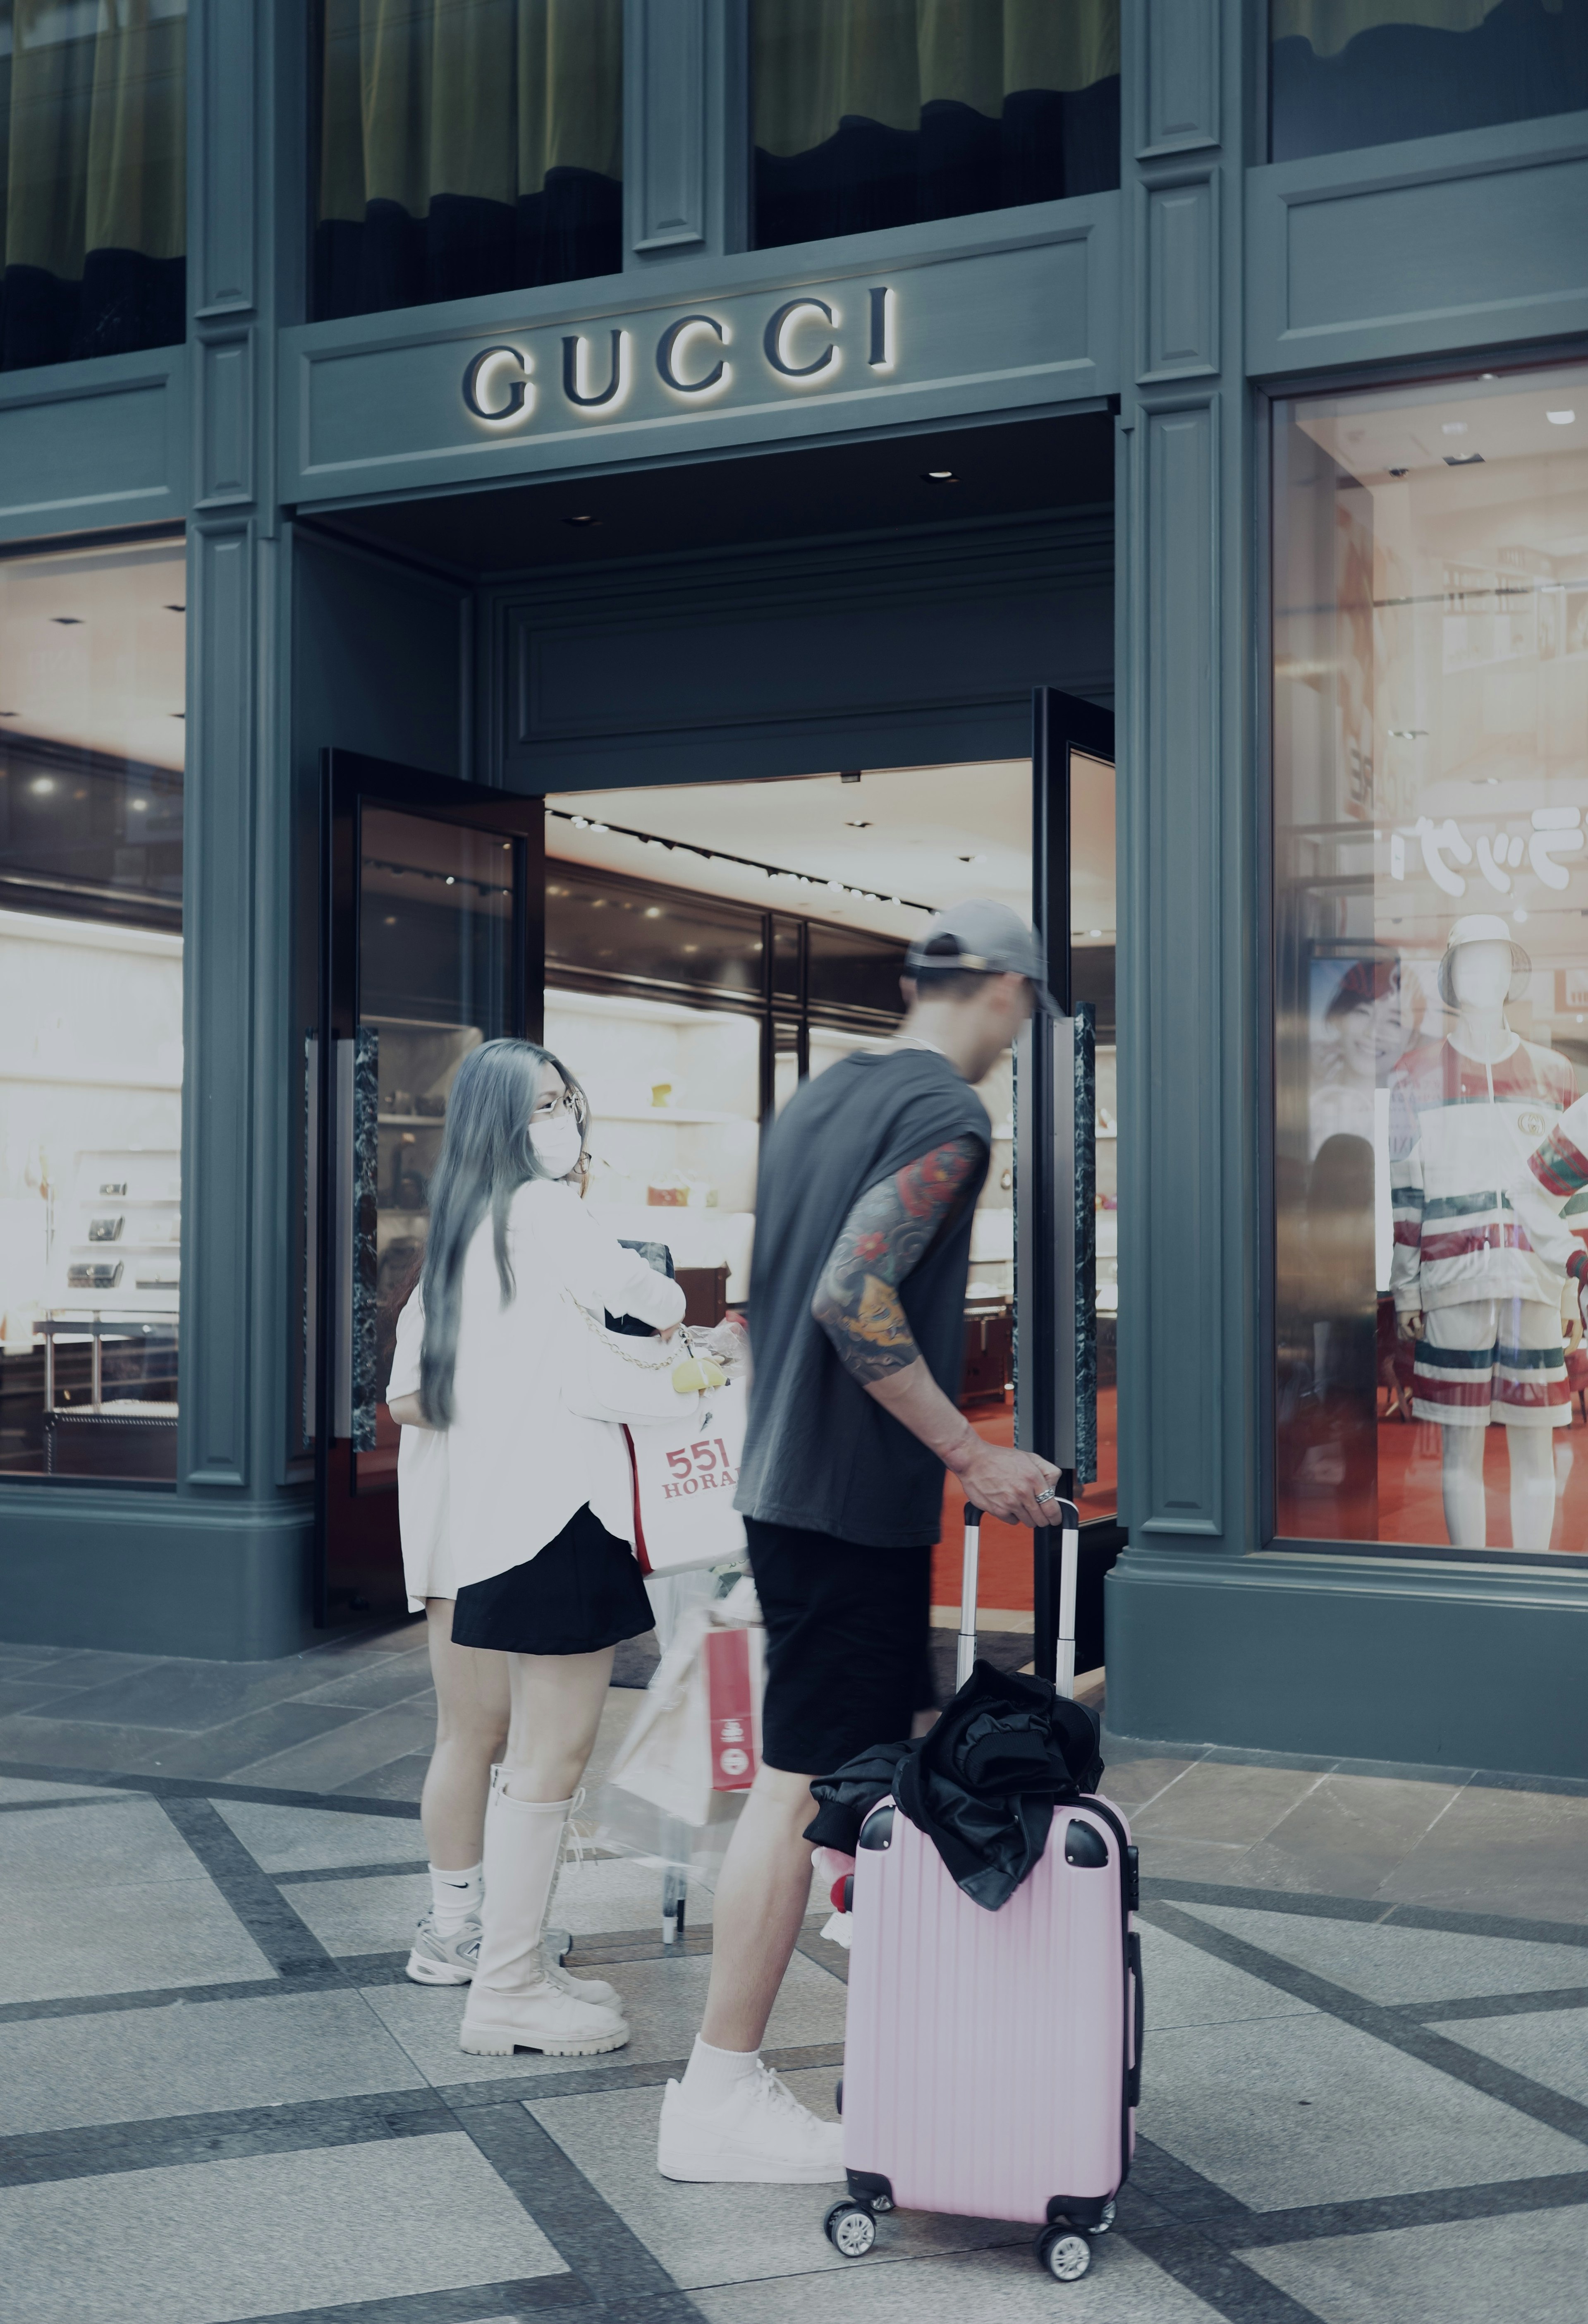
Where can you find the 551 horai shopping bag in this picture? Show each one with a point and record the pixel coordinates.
(686, 1471)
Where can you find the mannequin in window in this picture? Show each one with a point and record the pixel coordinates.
(1483, 1306)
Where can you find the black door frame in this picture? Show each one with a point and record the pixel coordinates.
(350, 781)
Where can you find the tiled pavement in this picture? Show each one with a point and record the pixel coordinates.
(1366, 2089)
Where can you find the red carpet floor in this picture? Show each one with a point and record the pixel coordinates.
(1006, 1550)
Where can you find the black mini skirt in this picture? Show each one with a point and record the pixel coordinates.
(583, 1592)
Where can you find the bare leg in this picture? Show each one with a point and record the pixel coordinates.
(471, 1729)
(1532, 1486)
(761, 1901)
(557, 1705)
(1461, 1479)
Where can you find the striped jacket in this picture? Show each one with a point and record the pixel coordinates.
(1460, 1130)
(1553, 1172)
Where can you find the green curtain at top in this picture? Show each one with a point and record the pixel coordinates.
(1328, 24)
(93, 110)
(876, 113)
(819, 61)
(466, 146)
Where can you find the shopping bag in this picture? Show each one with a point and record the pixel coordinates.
(676, 1787)
(685, 1471)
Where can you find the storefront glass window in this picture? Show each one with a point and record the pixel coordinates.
(93, 179)
(1431, 964)
(1347, 73)
(465, 147)
(92, 692)
(878, 113)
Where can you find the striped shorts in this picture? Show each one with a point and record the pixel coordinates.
(1492, 1360)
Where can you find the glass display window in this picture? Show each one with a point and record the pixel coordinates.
(1347, 73)
(93, 179)
(1430, 740)
(92, 707)
(465, 147)
(880, 112)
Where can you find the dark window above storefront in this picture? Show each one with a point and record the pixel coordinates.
(465, 147)
(93, 179)
(882, 112)
(1347, 73)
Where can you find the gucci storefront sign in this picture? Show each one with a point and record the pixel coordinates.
(695, 358)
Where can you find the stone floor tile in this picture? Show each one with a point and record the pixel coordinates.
(1234, 1804)
(89, 1666)
(42, 1739)
(138, 2065)
(1165, 1859)
(349, 1751)
(1130, 1784)
(1549, 2045)
(1472, 2271)
(1185, 1987)
(190, 1695)
(1001, 2285)
(33, 1693)
(126, 1938)
(1390, 1964)
(395, 1678)
(1308, 2110)
(363, 1917)
(402, 1778)
(122, 1838)
(221, 1752)
(318, 1839)
(729, 2234)
(1347, 1835)
(1494, 1851)
(215, 2242)
(663, 2000)
(26, 1787)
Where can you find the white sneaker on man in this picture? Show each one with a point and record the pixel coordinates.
(761, 2132)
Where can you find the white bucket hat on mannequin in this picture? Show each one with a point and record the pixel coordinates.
(1482, 927)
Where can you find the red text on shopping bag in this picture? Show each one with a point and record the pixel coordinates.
(702, 1468)
(729, 1709)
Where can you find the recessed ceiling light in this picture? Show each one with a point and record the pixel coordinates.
(1453, 427)
(391, 919)
(939, 476)
(176, 609)
(1095, 932)
(1401, 472)
(973, 858)
(1560, 419)
(1464, 459)
(855, 823)
(66, 621)
(43, 785)
(139, 807)
(584, 519)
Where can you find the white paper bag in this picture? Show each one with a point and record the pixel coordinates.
(676, 1787)
(685, 1473)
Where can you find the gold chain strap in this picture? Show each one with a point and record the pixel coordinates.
(666, 1359)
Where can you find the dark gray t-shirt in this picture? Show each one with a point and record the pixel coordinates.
(819, 1452)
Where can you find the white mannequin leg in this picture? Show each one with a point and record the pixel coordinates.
(1532, 1486)
(1462, 1482)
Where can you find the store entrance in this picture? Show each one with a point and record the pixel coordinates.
(430, 944)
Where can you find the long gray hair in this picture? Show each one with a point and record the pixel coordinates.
(486, 1155)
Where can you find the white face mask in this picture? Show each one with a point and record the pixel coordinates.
(559, 1143)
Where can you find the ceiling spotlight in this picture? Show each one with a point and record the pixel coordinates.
(1410, 733)
(973, 858)
(1095, 932)
(66, 621)
(176, 609)
(139, 807)
(451, 881)
(1560, 419)
(1401, 472)
(939, 476)
(855, 823)
(584, 519)
(1464, 459)
(43, 785)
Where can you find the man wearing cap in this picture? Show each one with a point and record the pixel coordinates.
(868, 1182)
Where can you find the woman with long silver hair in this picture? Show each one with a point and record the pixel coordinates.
(537, 1520)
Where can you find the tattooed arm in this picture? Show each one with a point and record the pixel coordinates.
(884, 1238)
(857, 1305)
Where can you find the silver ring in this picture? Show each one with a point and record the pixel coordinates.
(1048, 1495)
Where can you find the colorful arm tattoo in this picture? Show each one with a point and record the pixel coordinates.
(885, 1236)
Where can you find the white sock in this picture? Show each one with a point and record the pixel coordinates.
(712, 2076)
(456, 1898)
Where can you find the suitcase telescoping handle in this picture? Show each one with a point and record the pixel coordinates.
(1058, 1550)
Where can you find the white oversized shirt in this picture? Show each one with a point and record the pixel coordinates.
(518, 1463)
(422, 1474)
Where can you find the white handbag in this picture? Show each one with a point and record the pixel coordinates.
(610, 1376)
(685, 1471)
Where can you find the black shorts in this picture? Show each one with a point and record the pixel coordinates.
(583, 1592)
(847, 1654)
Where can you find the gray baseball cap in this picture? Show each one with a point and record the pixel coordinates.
(987, 939)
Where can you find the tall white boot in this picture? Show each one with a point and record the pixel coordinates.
(512, 2004)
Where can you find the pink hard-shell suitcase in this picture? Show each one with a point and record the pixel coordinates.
(993, 2061)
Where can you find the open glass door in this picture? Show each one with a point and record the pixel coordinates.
(431, 942)
(1067, 1282)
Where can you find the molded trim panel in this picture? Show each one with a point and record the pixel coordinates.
(84, 446)
(1444, 243)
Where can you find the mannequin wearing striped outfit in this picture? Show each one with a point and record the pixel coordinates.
(1483, 1303)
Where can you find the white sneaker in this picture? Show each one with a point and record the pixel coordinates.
(436, 1960)
(762, 2133)
(538, 2016)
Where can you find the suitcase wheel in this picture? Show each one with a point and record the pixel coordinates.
(1064, 2254)
(850, 2229)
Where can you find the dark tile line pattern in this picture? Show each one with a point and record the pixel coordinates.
(534, 2296)
(29, 2158)
(26, 1807)
(1124, 1751)
(1514, 2089)
(1494, 2005)
(408, 1865)
(206, 1787)
(1447, 1919)
(287, 1941)
(590, 2081)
